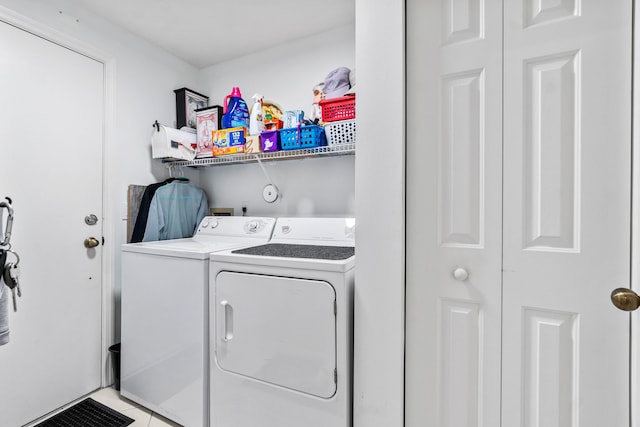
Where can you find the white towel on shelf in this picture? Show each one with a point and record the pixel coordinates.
(4, 313)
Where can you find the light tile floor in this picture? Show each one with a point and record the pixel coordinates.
(143, 417)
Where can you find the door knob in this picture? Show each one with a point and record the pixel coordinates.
(91, 242)
(460, 274)
(625, 299)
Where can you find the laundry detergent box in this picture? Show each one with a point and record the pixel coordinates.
(229, 141)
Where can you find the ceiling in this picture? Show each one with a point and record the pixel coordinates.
(208, 32)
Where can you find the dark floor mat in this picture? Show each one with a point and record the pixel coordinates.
(87, 413)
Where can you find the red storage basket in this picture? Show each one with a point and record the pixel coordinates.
(341, 108)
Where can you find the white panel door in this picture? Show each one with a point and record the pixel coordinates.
(51, 132)
(518, 212)
(567, 176)
(454, 213)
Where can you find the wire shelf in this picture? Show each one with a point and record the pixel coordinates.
(329, 150)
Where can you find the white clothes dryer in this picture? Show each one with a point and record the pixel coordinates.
(281, 328)
(164, 316)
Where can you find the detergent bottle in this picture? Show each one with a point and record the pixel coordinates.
(256, 124)
(235, 112)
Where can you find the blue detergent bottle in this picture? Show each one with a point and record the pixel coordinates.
(235, 111)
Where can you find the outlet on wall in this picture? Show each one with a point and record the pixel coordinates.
(221, 211)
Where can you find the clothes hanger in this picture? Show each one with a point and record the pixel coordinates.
(181, 176)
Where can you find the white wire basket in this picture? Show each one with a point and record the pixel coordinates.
(343, 132)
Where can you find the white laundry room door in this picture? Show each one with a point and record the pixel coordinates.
(518, 213)
(51, 133)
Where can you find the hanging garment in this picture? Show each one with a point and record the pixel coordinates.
(134, 198)
(143, 213)
(175, 211)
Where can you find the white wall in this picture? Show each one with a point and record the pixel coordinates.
(307, 187)
(140, 83)
(379, 298)
(286, 75)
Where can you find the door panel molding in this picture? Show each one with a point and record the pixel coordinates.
(461, 350)
(552, 152)
(462, 170)
(550, 369)
(463, 21)
(541, 12)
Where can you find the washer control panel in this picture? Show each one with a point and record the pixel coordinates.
(236, 226)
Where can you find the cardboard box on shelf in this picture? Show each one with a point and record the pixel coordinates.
(229, 141)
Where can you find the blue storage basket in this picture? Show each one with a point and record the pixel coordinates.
(302, 137)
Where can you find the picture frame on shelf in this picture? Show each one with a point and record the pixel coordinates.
(187, 102)
(208, 119)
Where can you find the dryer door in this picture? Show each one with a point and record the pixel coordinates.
(278, 330)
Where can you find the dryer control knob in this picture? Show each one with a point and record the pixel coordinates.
(253, 226)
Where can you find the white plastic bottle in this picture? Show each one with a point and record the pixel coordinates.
(256, 123)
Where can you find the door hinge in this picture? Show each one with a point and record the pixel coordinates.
(335, 308)
(335, 375)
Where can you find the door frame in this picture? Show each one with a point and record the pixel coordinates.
(108, 227)
(634, 404)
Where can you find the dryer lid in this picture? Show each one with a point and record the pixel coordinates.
(335, 253)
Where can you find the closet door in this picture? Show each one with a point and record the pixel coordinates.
(518, 213)
(567, 175)
(51, 130)
(454, 173)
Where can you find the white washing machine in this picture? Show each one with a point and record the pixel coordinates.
(281, 328)
(164, 316)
